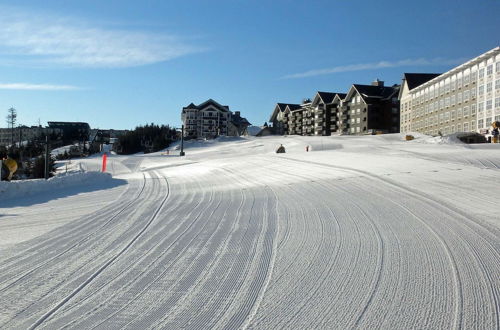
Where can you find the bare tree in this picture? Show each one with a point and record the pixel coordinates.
(11, 121)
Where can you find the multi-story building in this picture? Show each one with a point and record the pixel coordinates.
(466, 98)
(369, 109)
(410, 82)
(206, 120)
(211, 119)
(25, 133)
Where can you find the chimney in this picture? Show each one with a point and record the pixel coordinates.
(378, 83)
(237, 113)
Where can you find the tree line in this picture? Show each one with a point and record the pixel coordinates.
(147, 138)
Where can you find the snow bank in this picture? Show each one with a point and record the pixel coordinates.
(447, 139)
(21, 188)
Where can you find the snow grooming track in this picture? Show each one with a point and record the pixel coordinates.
(120, 211)
(182, 235)
(271, 255)
(53, 310)
(488, 235)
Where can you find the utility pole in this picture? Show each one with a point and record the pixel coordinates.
(182, 142)
(46, 157)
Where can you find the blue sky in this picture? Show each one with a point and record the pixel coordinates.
(118, 64)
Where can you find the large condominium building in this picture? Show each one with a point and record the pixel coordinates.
(370, 109)
(466, 98)
(211, 119)
(365, 109)
(206, 120)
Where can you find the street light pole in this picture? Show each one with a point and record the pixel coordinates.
(46, 157)
(182, 142)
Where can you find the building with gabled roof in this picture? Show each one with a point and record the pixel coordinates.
(279, 119)
(370, 109)
(211, 119)
(325, 112)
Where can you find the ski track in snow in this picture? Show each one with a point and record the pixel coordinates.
(226, 240)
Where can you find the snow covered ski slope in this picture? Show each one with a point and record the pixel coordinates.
(360, 232)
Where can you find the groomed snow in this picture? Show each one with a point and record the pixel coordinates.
(360, 232)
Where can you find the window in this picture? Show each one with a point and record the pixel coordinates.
(497, 67)
(466, 111)
(472, 125)
(480, 123)
(453, 113)
(466, 95)
(473, 76)
(473, 93)
(489, 87)
(466, 79)
(447, 102)
(480, 107)
(453, 85)
(466, 127)
(497, 84)
(481, 73)
(452, 128)
(459, 127)
(459, 98)
(489, 70)
(480, 90)
(473, 109)
(447, 116)
(488, 121)
(497, 102)
(459, 113)
(489, 104)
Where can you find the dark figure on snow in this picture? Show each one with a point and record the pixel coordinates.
(280, 150)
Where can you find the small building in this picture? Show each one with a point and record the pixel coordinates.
(238, 125)
(72, 131)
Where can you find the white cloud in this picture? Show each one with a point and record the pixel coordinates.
(38, 87)
(41, 39)
(374, 66)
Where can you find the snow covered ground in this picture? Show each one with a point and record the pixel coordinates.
(360, 232)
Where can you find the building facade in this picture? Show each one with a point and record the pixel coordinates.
(322, 111)
(464, 99)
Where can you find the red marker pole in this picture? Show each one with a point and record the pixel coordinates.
(104, 160)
